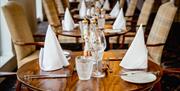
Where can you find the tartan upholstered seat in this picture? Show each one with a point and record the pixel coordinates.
(143, 19)
(160, 30)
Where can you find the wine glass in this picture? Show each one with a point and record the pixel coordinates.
(98, 45)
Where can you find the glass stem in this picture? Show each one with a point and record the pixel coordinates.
(97, 64)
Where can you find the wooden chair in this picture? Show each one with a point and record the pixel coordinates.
(160, 30)
(143, 19)
(60, 8)
(131, 10)
(22, 38)
(129, 16)
(54, 20)
(158, 34)
(52, 14)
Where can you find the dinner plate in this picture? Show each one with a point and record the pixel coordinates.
(112, 31)
(67, 54)
(139, 77)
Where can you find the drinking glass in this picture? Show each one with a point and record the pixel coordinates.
(84, 67)
(98, 45)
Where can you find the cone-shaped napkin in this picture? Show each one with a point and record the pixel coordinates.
(136, 56)
(120, 22)
(101, 1)
(68, 23)
(115, 10)
(82, 11)
(106, 5)
(52, 56)
(98, 4)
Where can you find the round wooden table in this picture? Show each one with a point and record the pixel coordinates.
(107, 17)
(77, 34)
(111, 82)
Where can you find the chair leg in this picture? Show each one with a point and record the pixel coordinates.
(18, 85)
(157, 87)
(122, 43)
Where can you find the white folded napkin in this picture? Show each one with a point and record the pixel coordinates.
(120, 22)
(52, 56)
(136, 56)
(82, 11)
(106, 5)
(101, 1)
(68, 23)
(92, 11)
(98, 4)
(115, 10)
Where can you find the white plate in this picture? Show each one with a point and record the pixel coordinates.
(112, 31)
(67, 54)
(139, 77)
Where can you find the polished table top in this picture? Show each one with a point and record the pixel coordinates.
(111, 82)
(77, 34)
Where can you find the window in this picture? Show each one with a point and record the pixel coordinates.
(6, 52)
(39, 10)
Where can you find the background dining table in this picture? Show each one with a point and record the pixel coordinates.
(77, 34)
(111, 82)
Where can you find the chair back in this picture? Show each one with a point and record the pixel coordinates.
(19, 29)
(51, 13)
(65, 3)
(122, 2)
(59, 7)
(131, 8)
(145, 12)
(160, 30)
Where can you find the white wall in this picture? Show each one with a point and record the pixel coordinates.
(5, 39)
(39, 10)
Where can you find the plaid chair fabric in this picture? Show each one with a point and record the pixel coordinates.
(131, 8)
(51, 12)
(145, 12)
(160, 30)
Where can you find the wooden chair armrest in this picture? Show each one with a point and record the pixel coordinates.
(132, 21)
(61, 16)
(136, 25)
(171, 70)
(7, 74)
(128, 16)
(29, 43)
(155, 45)
(39, 35)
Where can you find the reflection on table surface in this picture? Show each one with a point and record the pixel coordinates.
(111, 82)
